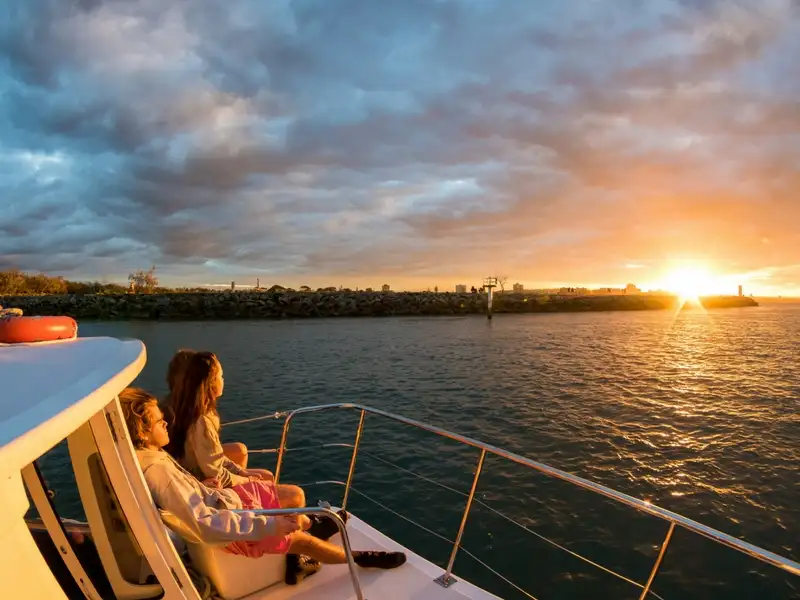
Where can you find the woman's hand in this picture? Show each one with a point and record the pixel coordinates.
(251, 474)
(212, 482)
(258, 474)
(286, 525)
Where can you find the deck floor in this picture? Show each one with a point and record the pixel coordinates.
(413, 581)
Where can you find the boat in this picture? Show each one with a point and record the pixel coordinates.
(66, 391)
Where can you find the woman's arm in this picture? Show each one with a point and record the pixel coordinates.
(211, 460)
(211, 525)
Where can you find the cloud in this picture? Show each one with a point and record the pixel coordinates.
(426, 142)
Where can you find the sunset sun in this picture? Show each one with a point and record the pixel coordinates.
(689, 283)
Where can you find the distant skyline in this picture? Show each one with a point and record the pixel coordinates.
(408, 142)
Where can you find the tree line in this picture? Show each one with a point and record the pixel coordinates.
(18, 283)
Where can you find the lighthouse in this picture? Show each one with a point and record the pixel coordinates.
(489, 283)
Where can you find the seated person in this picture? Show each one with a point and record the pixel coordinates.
(235, 451)
(208, 511)
(194, 431)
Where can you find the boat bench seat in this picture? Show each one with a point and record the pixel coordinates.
(233, 576)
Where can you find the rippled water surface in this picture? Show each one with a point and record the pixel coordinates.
(696, 412)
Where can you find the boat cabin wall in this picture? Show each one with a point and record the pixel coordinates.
(23, 570)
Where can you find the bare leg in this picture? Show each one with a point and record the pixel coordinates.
(237, 452)
(290, 496)
(324, 552)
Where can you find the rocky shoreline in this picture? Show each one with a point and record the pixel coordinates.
(293, 305)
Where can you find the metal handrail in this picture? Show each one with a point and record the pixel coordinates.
(673, 518)
(489, 507)
(317, 510)
(437, 535)
(498, 513)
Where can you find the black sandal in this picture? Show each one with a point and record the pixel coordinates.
(298, 567)
(324, 527)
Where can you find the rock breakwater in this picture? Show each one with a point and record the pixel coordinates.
(287, 305)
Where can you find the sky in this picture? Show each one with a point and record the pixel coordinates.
(418, 143)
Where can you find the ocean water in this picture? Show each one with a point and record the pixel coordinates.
(696, 412)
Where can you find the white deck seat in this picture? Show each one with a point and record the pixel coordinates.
(233, 576)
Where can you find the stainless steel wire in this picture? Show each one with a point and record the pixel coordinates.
(441, 537)
(512, 521)
(275, 415)
(483, 504)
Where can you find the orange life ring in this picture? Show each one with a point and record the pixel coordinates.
(21, 330)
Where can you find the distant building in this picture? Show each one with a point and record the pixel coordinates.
(518, 288)
(741, 291)
(632, 289)
(385, 288)
(461, 289)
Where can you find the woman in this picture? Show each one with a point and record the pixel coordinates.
(194, 431)
(236, 451)
(209, 512)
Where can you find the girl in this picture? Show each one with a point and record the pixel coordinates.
(194, 432)
(235, 451)
(208, 511)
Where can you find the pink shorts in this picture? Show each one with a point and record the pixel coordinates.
(259, 494)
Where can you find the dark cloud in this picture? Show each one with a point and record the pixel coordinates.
(423, 141)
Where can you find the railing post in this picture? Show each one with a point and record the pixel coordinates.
(446, 579)
(657, 565)
(353, 459)
(319, 510)
(282, 449)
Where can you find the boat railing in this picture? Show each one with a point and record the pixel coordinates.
(320, 510)
(446, 579)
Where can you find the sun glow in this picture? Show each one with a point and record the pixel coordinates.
(689, 283)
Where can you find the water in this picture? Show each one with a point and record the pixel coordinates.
(696, 412)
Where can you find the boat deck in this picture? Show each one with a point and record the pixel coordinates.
(414, 580)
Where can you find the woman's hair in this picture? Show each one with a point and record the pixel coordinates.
(135, 402)
(192, 397)
(177, 367)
